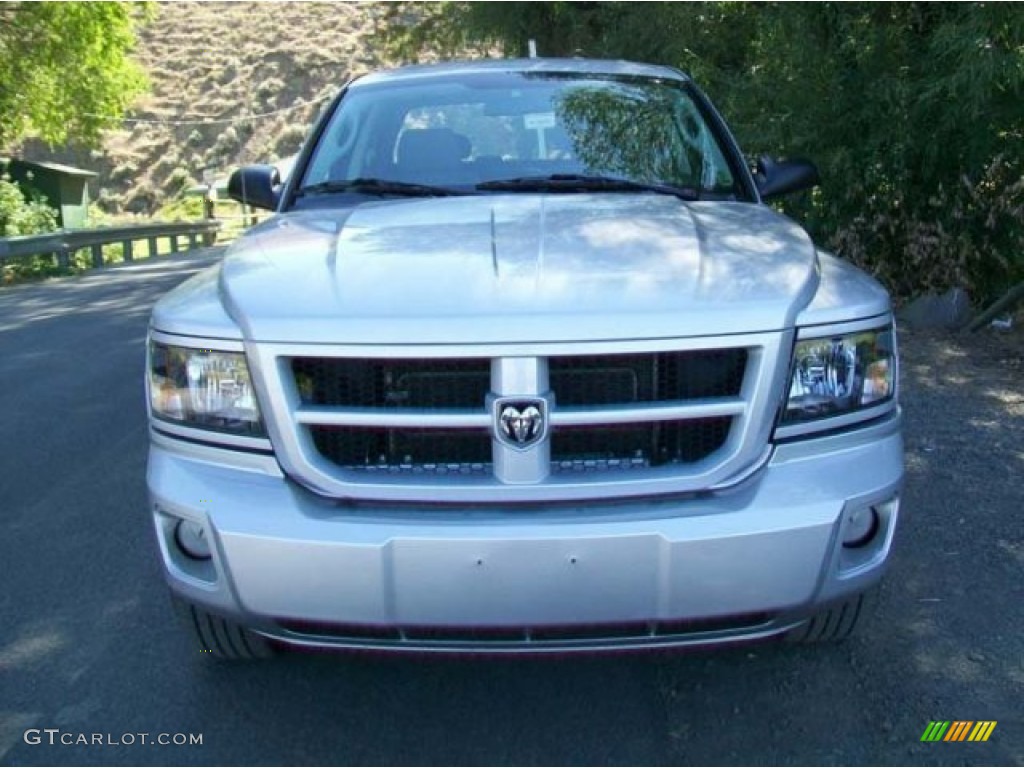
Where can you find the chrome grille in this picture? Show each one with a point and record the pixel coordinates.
(576, 381)
(645, 421)
(463, 384)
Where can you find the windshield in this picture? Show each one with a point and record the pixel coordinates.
(461, 132)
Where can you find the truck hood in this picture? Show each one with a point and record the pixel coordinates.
(518, 268)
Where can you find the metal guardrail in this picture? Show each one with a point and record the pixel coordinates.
(64, 243)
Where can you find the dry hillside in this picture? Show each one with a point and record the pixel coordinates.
(231, 83)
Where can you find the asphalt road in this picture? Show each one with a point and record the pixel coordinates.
(88, 643)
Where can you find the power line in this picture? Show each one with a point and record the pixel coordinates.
(207, 120)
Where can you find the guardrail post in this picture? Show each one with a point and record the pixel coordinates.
(210, 214)
(63, 244)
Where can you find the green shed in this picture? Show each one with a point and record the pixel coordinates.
(65, 188)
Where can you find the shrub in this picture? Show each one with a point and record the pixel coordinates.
(965, 235)
(181, 209)
(178, 180)
(289, 140)
(22, 214)
(229, 137)
(272, 86)
(142, 199)
(124, 172)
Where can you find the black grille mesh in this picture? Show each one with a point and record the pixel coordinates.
(655, 443)
(392, 383)
(463, 384)
(647, 378)
(368, 447)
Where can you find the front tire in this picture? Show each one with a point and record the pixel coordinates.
(832, 624)
(221, 638)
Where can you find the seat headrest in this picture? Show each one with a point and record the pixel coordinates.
(434, 147)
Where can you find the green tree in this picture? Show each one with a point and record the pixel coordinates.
(21, 215)
(911, 110)
(65, 69)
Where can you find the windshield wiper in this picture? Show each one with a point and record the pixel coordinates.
(572, 182)
(370, 186)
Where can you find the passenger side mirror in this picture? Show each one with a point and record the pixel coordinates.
(775, 178)
(256, 185)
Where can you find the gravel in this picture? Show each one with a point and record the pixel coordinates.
(944, 641)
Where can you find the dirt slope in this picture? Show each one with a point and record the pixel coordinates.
(232, 62)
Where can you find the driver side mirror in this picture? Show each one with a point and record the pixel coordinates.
(256, 185)
(775, 178)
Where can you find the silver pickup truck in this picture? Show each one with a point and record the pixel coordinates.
(523, 362)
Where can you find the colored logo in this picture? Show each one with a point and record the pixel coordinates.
(958, 730)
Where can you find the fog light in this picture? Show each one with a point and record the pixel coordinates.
(860, 527)
(191, 538)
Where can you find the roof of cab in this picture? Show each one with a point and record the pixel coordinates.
(567, 66)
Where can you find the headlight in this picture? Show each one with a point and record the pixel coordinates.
(841, 375)
(203, 388)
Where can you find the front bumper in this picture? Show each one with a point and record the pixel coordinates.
(747, 562)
